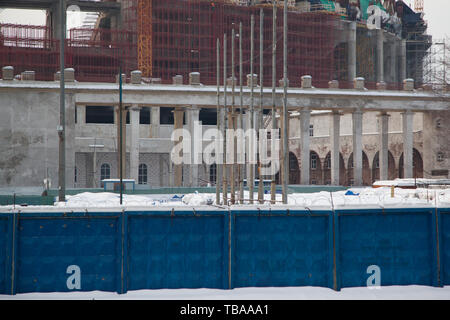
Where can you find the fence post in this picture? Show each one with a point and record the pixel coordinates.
(227, 240)
(333, 230)
(13, 230)
(437, 251)
(122, 279)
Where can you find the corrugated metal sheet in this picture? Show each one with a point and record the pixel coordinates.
(48, 246)
(179, 250)
(398, 241)
(274, 249)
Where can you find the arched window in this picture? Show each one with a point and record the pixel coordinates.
(105, 171)
(313, 161)
(142, 174)
(212, 173)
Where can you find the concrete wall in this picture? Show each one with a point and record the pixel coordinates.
(29, 140)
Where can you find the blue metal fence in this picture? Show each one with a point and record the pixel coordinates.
(281, 248)
(398, 241)
(444, 216)
(220, 248)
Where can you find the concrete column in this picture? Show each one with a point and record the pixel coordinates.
(403, 60)
(393, 61)
(408, 143)
(383, 157)
(305, 116)
(357, 147)
(380, 55)
(155, 122)
(192, 116)
(124, 140)
(352, 51)
(134, 143)
(178, 124)
(335, 124)
(81, 115)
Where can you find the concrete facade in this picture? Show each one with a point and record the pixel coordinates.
(29, 115)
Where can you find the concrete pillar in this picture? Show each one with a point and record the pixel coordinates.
(154, 121)
(407, 118)
(136, 77)
(124, 140)
(134, 143)
(357, 147)
(55, 19)
(383, 157)
(192, 116)
(393, 61)
(305, 116)
(8, 73)
(178, 124)
(403, 60)
(335, 124)
(380, 55)
(352, 51)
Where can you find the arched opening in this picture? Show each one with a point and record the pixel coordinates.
(417, 165)
(315, 168)
(366, 174)
(327, 170)
(212, 173)
(392, 173)
(294, 171)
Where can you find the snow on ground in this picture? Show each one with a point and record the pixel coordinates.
(359, 196)
(284, 293)
(353, 197)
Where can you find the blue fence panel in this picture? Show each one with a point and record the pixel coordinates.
(445, 245)
(177, 250)
(398, 241)
(4, 252)
(49, 243)
(272, 248)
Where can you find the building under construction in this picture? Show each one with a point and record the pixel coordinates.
(164, 38)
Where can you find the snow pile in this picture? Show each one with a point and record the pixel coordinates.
(352, 197)
(413, 292)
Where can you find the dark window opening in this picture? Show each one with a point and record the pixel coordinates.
(166, 116)
(99, 114)
(208, 116)
(144, 115)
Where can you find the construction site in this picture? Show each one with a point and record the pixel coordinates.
(171, 56)
(168, 38)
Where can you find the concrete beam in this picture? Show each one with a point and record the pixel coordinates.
(88, 6)
(206, 96)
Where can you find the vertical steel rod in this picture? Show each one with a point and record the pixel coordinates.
(241, 123)
(274, 108)
(62, 109)
(224, 119)
(251, 179)
(120, 135)
(218, 163)
(285, 174)
(261, 85)
(232, 124)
